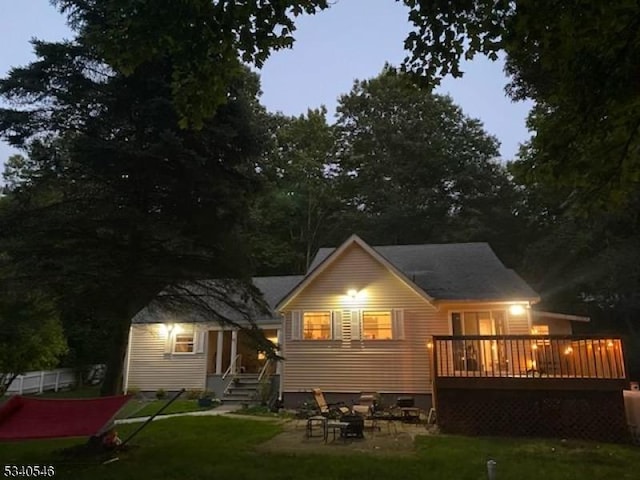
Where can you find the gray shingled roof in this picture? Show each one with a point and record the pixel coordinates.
(273, 290)
(453, 271)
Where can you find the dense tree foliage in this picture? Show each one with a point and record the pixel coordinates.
(416, 169)
(578, 60)
(400, 166)
(31, 336)
(119, 201)
(204, 40)
(300, 207)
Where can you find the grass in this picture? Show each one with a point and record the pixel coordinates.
(88, 391)
(262, 411)
(134, 408)
(146, 408)
(217, 447)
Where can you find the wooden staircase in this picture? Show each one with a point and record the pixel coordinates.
(243, 389)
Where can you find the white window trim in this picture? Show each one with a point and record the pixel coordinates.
(331, 320)
(391, 316)
(478, 310)
(397, 325)
(193, 343)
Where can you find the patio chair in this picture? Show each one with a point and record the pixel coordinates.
(329, 409)
(368, 404)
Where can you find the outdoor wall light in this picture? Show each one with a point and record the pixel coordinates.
(516, 310)
(166, 328)
(354, 295)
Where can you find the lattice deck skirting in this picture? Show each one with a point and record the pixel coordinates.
(583, 414)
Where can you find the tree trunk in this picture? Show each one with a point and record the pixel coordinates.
(112, 384)
(6, 379)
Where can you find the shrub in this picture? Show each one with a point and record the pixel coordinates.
(135, 391)
(161, 394)
(194, 394)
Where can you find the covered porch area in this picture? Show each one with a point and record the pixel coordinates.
(235, 354)
(232, 352)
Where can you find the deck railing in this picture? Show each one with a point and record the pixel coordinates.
(553, 356)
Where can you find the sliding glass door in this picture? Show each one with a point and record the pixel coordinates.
(479, 355)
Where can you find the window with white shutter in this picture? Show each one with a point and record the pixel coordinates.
(336, 327)
(376, 325)
(398, 324)
(201, 338)
(355, 325)
(296, 325)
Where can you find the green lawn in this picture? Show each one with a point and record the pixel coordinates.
(224, 448)
(146, 408)
(86, 391)
(134, 408)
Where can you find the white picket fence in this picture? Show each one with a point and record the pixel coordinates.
(42, 381)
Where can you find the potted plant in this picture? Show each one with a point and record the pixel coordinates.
(206, 399)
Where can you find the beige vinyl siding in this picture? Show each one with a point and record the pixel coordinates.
(152, 367)
(556, 326)
(515, 324)
(352, 365)
(518, 324)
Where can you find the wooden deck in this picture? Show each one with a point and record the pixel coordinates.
(557, 386)
(528, 357)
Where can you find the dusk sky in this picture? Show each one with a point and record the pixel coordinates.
(352, 40)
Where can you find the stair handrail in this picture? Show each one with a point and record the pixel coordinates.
(232, 366)
(264, 369)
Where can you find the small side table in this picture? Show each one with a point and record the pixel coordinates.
(380, 417)
(410, 414)
(316, 423)
(334, 426)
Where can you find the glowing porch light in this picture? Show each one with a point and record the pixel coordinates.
(516, 310)
(354, 295)
(568, 350)
(609, 344)
(429, 345)
(166, 329)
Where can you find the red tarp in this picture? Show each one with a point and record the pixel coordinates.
(23, 418)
